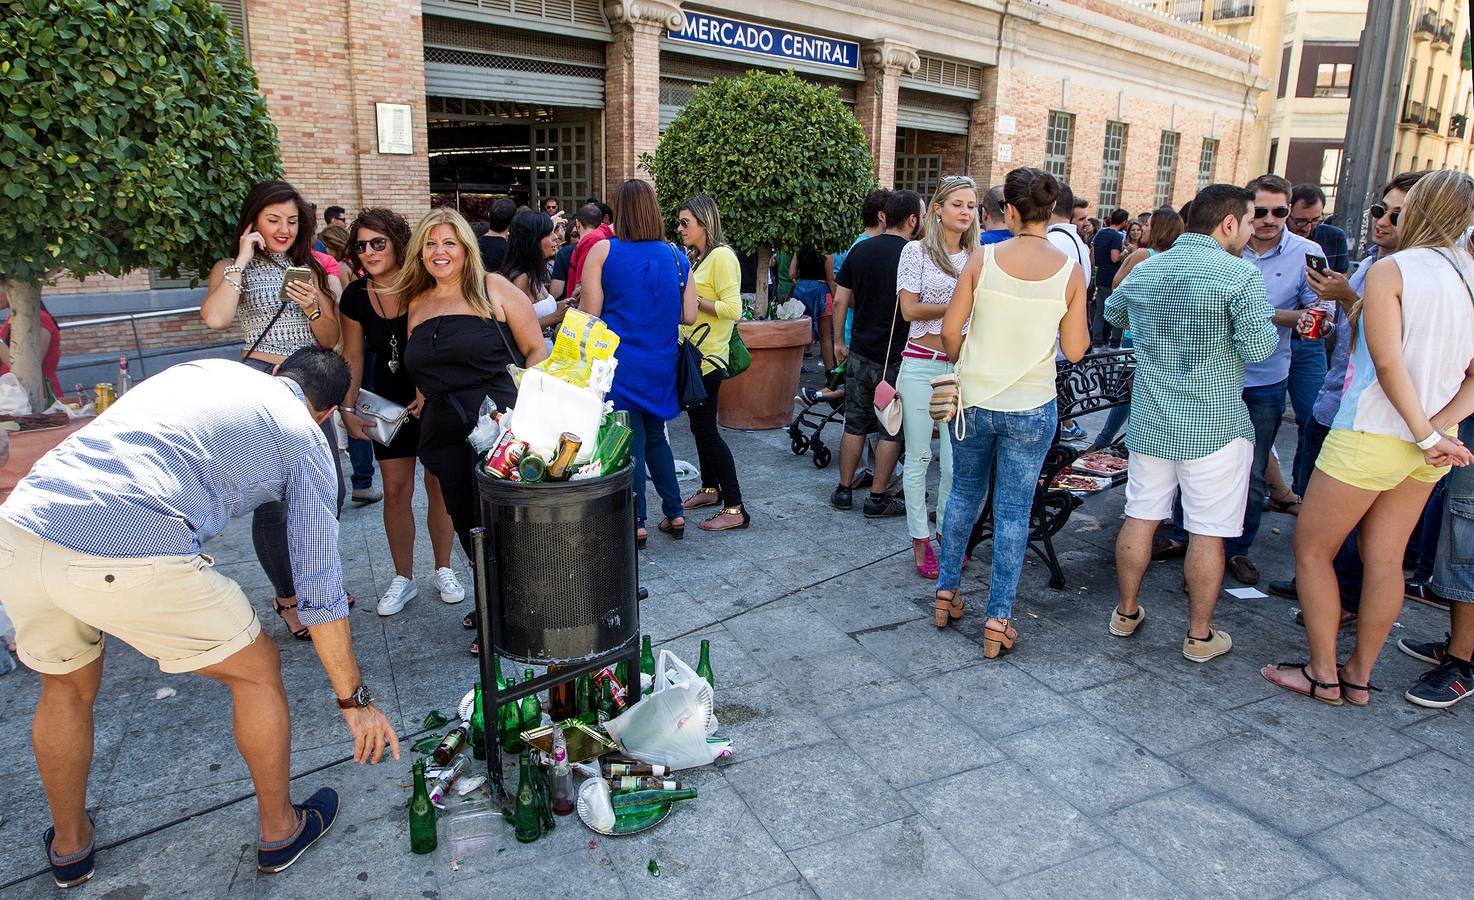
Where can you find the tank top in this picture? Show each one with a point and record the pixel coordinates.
(1007, 359)
(261, 298)
(457, 361)
(1437, 343)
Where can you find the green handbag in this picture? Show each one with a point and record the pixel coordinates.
(738, 359)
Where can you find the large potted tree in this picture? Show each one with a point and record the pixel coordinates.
(129, 132)
(789, 167)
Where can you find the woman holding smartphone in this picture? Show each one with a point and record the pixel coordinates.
(373, 315)
(283, 300)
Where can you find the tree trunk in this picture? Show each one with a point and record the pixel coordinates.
(25, 333)
(764, 264)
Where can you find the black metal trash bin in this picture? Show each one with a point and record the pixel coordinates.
(562, 571)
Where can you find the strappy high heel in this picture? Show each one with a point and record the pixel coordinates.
(301, 634)
(948, 609)
(998, 640)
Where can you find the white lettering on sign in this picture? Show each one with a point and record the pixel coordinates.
(701, 28)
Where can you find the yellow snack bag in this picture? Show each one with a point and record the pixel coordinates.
(581, 340)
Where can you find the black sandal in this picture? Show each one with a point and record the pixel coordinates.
(677, 532)
(301, 634)
(1364, 688)
(1314, 685)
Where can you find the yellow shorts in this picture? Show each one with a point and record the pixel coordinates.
(1374, 462)
(176, 610)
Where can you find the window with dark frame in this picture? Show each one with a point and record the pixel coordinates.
(1166, 167)
(1207, 162)
(1110, 166)
(1333, 80)
(1059, 144)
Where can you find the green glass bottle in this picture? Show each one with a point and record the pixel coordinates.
(532, 709)
(478, 726)
(703, 665)
(645, 797)
(622, 672)
(421, 814)
(586, 700)
(496, 669)
(647, 662)
(509, 723)
(525, 816)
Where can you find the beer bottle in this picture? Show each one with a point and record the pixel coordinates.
(622, 671)
(614, 768)
(561, 705)
(586, 700)
(453, 742)
(509, 723)
(525, 817)
(532, 709)
(478, 726)
(647, 662)
(421, 814)
(623, 784)
(447, 777)
(703, 666)
(645, 798)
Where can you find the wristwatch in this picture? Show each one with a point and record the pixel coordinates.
(356, 700)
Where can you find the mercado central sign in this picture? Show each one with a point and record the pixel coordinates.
(764, 40)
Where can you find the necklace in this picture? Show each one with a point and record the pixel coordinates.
(393, 363)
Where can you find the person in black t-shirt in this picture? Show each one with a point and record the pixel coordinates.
(493, 244)
(867, 283)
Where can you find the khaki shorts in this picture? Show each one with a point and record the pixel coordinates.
(175, 610)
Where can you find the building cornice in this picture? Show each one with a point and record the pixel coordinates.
(652, 14)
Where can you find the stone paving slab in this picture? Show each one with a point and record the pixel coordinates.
(875, 755)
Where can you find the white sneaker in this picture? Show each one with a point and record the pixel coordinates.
(401, 591)
(449, 586)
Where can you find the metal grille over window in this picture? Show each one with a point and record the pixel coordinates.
(534, 45)
(1110, 166)
(944, 73)
(1166, 167)
(520, 64)
(465, 109)
(1207, 162)
(1059, 144)
(588, 13)
(560, 162)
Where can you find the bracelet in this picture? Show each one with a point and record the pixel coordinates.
(235, 283)
(1431, 441)
(315, 313)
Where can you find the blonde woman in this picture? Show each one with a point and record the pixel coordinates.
(925, 279)
(1410, 382)
(464, 328)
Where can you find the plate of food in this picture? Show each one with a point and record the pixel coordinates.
(1100, 463)
(1080, 484)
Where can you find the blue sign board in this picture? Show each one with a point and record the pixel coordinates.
(779, 43)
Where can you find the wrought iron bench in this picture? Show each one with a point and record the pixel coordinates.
(1098, 382)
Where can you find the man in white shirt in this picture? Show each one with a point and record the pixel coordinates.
(1063, 234)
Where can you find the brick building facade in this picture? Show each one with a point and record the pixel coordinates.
(536, 98)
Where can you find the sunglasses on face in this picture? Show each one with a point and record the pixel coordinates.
(1279, 212)
(683, 222)
(1378, 210)
(376, 244)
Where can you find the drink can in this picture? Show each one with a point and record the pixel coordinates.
(616, 690)
(531, 468)
(502, 463)
(561, 466)
(104, 395)
(1314, 327)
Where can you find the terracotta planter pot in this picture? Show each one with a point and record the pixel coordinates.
(762, 397)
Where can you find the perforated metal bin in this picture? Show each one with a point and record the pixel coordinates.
(562, 570)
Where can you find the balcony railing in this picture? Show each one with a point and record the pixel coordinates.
(1444, 39)
(1187, 10)
(1431, 117)
(1458, 126)
(1232, 9)
(1425, 26)
(1413, 114)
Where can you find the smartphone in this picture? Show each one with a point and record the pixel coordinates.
(295, 273)
(1318, 263)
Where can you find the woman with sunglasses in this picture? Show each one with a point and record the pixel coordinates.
(926, 276)
(275, 235)
(465, 327)
(718, 277)
(375, 316)
(1410, 382)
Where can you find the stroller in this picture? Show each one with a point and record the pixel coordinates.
(813, 418)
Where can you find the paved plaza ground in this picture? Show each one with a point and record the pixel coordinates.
(875, 756)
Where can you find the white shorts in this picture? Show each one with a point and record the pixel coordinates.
(1215, 489)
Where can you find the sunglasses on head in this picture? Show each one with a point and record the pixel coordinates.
(1279, 212)
(1378, 210)
(376, 244)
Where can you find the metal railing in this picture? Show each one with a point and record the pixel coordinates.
(1187, 10)
(1232, 9)
(1413, 114)
(133, 319)
(1431, 117)
(1445, 35)
(1425, 26)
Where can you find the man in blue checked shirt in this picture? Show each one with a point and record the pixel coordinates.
(105, 535)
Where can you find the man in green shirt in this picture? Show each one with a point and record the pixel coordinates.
(1197, 314)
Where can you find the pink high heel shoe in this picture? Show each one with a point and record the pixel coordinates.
(927, 568)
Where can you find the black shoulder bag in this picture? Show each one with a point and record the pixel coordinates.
(690, 391)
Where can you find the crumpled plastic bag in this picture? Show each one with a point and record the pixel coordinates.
(666, 729)
(488, 428)
(791, 309)
(13, 398)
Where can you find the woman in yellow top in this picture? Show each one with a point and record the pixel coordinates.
(1024, 298)
(719, 306)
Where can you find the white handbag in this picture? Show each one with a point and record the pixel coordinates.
(384, 417)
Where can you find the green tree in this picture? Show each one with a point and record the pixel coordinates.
(785, 160)
(131, 132)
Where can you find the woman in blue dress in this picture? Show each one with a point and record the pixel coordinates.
(640, 285)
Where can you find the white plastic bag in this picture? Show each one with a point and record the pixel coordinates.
(672, 671)
(13, 399)
(667, 729)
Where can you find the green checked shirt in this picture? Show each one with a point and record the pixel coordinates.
(1196, 315)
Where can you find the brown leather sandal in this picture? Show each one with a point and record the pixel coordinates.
(704, 497)
(948, 608)
(997, 640)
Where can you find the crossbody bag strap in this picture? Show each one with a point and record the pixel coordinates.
(500, 327)
(885, 364)
(1448, 259)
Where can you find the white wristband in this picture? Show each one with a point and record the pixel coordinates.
(1431, 441)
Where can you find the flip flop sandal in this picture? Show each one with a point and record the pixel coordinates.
(1315, 686)
(1364, 688)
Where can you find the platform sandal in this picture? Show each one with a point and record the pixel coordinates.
(948, 609)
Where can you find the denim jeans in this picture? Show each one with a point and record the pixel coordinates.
(812, 294)
(913, 382)
(650, 449)
(1014, 443)
(1307, 376)
(1266, 405)
(361, 452)
(1423, 543)
(1453, 573)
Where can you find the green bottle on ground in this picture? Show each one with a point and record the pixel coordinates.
(525, 817)
(478, 725)
(703, 666)
(509, 723)
(421, 814)
(647, 662)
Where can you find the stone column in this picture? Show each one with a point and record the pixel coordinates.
(875, 102)
(632, 83)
